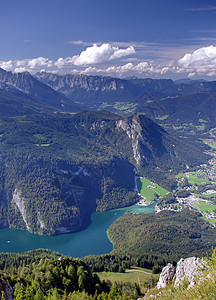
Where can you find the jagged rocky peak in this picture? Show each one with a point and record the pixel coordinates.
(137, 123)
(142, 130)
(14, 79)
(31, 89)
(24, 81)
(80, 81)
(131, 126)
(2, 71)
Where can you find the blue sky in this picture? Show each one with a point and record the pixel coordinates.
(143, 38)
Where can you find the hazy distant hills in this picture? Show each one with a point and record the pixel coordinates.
(175, 101)
(94, 90)
(81, 87)
(20, 93)
(178, 101)
(90, 90)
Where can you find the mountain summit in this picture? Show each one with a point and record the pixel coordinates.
(21, 93)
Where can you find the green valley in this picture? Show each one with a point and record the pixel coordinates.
(149, 190)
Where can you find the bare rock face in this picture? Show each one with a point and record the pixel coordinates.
(166, 275)
(7, 289)
(188, 269)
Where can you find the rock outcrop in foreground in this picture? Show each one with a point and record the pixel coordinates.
(186, 270)
(166, 275)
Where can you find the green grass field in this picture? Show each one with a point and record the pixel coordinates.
(205, 207)
(181, 175)
(210, 221)
(205, 196)
(42, 145)
(148, 192)
(121, 107)
(192, 179)
(136, 275)
(162, 118)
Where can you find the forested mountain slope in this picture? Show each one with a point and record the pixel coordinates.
(57, 170)
(175, 234)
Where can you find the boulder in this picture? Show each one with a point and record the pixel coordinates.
(166, 275)
(188, 269)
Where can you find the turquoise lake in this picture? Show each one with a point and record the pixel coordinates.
(92, 240)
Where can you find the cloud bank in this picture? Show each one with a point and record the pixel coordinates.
(106, 59)
(201, 61)
(26, 64)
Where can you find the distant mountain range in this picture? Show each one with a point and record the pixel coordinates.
(21, 93)
(176, 101)
(179, 101)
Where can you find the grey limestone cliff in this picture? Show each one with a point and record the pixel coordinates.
(186, 270)
(166, 275)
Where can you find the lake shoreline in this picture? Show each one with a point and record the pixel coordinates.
(92, 240)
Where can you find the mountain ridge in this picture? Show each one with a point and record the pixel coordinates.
(30, 95)
(53, 163)
(158, 98)
(164, 100)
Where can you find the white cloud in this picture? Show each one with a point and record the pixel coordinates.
(121, 52)
(97, 59)
(39, 62)
(80, 43)
(6, 65)
(92, 70)
(98, 54)
(129, 69)
(20, 70)
(120, 69)
(207, 8)
(142, 67)
(94, 55)
(63, 62)
(34, 64)
(191, 74)
(200, 62)
(202, 57)
(60, 62)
